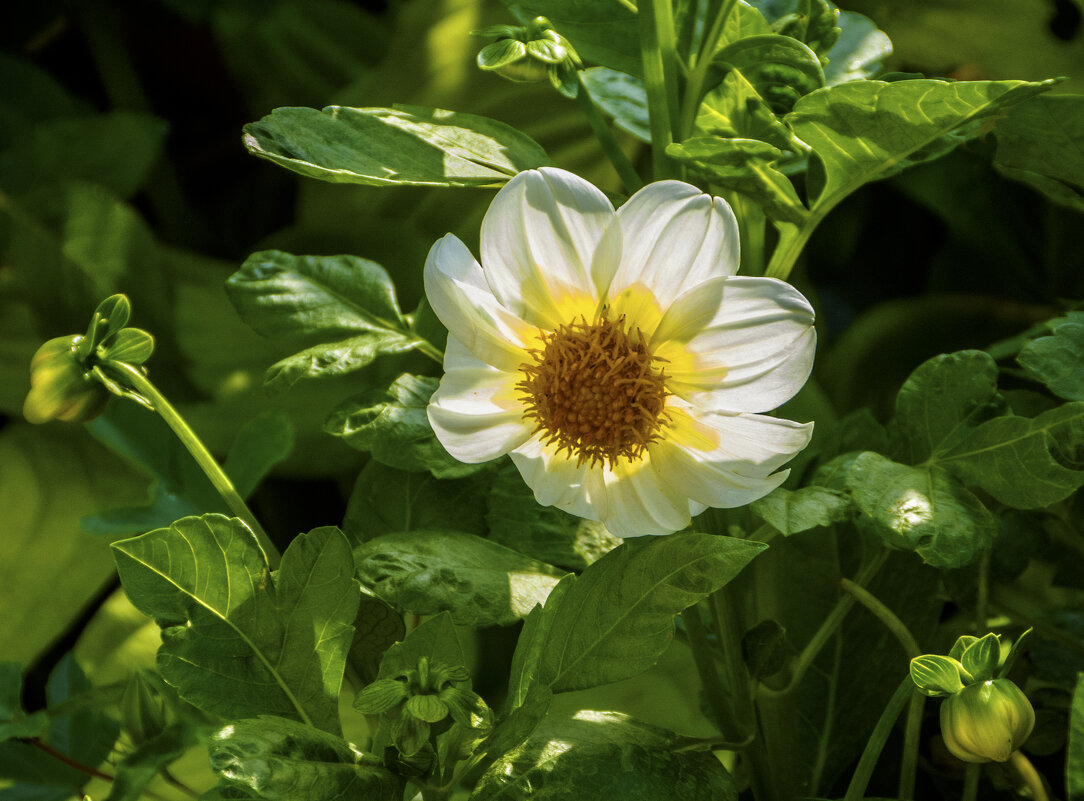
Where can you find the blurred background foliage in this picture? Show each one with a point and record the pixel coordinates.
(122, 170)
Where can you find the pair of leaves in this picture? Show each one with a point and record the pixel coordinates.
(236, 641)
(345, 304)
(1057, 360)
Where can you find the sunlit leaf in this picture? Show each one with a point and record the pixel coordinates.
(793, 511)
(435, 639)
(859, 51)
(281, 760)
(592, 754)
(618, 617)
(402, 146)
(622, 97)
(480, 582)
(233, 642)
(779, 68)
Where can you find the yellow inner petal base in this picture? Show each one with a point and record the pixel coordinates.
(594, 391)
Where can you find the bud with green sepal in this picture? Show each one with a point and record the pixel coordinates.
(987, 721)
(143, 709)
(984, 717)
(66, 379)
(530, 54)
(424, 702)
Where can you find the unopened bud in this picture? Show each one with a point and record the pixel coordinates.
(986, 722)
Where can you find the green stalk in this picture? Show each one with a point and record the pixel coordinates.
(884, 614)
(911, 733)
(694, 86)
(658, 50)
(856, 790)
(221, 482)
(971, 783)
(714, 692)
(629, 177)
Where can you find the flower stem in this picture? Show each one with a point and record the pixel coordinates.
(911, 733)
(884, 614)
(659, 53)
(714, 692)
(1029, 777)
(868, 761)
(971, 783)
(221, 482)
(629, 177)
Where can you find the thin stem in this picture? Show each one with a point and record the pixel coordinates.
(971, 783)
(175, 782)
(884, 614)
(714, 692)
(790, 248)
(432, 351)
(659, 53)
(694, 86)
(982, 601)
(911, 733)
(1028, 776)
(629, 177)
(856, 790)
(86, 769)
(827, 629)
(737, 674)
(135, 378)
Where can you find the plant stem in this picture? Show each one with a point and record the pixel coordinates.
(694, 86)
(911, 733)
(79, 766)
(1028, 776)
(827, 629)
(884, 614)
(971, 783)
(714, 692)
(659, 54)
(982, 600)
(856, 790)
(221, 482)
(629, 177)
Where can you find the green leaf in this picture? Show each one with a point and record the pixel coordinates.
(937, 675)
(139, 767)
(735, 110)
(746, 166)
(115, 150)
(1058, 360)
(14, 722)
(622, 97)
(925, 510)
(530, 646)
(943, 400)
(401, 146)
(480, 582)
(49, 568)
(858, 52)
(618, 617)
(866, 130)
(604, 32)
(394, 427)
(281, 760)
(592, 753)
(262, 443)
(435, 639)
(1041, 143)
(793, 511)
(385, 500)
(1022, 462)
(517, 521)
(765, 649)
(86, 736)
(233, 642)
(376, 628)
(1074, 759)
(779, 68)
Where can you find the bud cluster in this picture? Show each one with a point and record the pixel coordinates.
(424, 701)
(984, 718)
(530, 54)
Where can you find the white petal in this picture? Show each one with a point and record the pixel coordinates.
(730, 459)
(738, 344)
(458, 292)
(674, 237)
(642, 502)
(538, 241)
(474, 411)
(557, 480)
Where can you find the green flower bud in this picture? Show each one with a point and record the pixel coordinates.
(986, 722)
(531, 54)
(61, 385)
(937, 675)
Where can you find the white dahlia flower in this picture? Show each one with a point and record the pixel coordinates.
(615, 355)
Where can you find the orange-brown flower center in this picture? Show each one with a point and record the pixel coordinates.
(593, 390)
